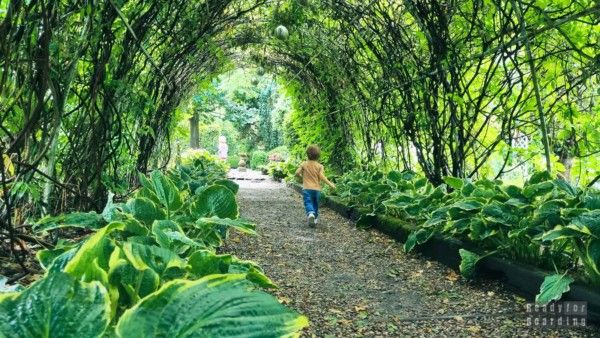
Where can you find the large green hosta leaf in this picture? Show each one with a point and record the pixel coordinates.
(164, 262)
(591, 199)
(84, 220)
(214, 306)
(203, 263)
(238, 224)
(144, 210)
(130, 284)
(553, 288)
(538, 177)
(91, 260)
(212, 231)
(468, 263)
(231, 185)
(454, 182)
(47, 256)
(418, 237)
(549, 213)
(593, 255)
(501, 213)
(169, 235)
(56, 306)
(166, 191)
(215, 200)
(589, 220)
(538, 189)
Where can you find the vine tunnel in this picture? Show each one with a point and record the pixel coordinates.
(86, 85)
(445, 96)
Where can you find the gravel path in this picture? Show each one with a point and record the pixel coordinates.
(356, 283)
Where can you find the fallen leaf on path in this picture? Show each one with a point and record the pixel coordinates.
(359, 308)
(452, 276)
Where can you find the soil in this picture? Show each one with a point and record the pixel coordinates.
(359, 283)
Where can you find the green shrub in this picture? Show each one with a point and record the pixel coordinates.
(233, 161)
(281, 153)
(259, 158)
(204, 161)
(281, 170)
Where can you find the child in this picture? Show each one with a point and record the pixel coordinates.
(312, 174)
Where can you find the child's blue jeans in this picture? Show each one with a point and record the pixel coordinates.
(311, 201)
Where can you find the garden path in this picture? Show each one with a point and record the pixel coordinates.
(353, 283)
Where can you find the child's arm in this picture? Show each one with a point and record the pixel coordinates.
(324, 179)
(299, 171)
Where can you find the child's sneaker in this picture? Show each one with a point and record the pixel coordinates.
(311, 220)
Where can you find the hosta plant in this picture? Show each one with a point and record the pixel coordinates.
(151, 254)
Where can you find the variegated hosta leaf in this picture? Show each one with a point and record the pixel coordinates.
(144, 210)
(589, 220)
(468, 262)
(169, 235)
(231, 185)
(166, 191)
(203, 263)
(417, 237)
(553, 288)
(164, 262)
(129, 283)
(83, 220)
(91, 260)
(47, 256)
(58, 305)
(215, 306)
(238, 224)
(215, 200)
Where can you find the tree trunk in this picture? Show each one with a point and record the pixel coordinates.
(194, 132)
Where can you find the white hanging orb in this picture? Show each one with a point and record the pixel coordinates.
(281, 32)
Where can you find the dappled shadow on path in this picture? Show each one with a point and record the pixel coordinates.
(353, 283)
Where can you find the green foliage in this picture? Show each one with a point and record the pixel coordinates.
(233, 161)
(279, 154)
(547, 222)
(258, 159)
(282, 170)
(216, 200)
(468, 263)
(56, 306)
(553, 288)
(209, 137)
(215, 306)
(156, 252)
(84, 220)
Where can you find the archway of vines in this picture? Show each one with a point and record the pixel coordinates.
(90, 90)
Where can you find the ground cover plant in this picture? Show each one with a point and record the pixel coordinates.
(547, 222)
(145, 259)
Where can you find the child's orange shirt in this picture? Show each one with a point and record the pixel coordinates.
(312, 173)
